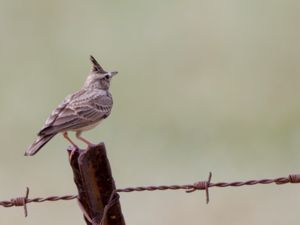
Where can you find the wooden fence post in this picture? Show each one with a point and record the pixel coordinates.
(96, 186)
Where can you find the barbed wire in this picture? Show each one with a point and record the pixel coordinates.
(200, 185)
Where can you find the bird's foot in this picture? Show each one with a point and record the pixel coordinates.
(73, 149)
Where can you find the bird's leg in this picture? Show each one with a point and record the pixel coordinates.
(78, 135)
(72, 143)
(69, 140)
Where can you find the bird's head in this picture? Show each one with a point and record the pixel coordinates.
(98, 77)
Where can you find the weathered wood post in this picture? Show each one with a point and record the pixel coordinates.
(95, 184)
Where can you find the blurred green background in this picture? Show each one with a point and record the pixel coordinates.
(202, 86)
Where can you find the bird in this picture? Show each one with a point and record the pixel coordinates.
(80, 111)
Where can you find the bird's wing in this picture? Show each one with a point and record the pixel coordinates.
(83, 110)
(58, 110)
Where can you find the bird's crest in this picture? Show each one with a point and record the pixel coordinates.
(96, 66)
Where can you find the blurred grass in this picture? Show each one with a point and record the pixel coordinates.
(203, 86)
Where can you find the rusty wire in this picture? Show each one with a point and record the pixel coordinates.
(201, 185)
(23, 201)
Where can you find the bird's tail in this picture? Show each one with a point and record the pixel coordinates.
(38, 144)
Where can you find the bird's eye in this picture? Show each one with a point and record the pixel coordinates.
(107, 77)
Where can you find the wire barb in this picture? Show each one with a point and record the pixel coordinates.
(202, 185)
(21, 201)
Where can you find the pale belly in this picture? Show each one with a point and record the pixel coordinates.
(89, 127)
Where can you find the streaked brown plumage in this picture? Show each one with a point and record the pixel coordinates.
(80, 111)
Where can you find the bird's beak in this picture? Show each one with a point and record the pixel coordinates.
(113, 73)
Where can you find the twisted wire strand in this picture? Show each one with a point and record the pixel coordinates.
(201, 185)
(14, 201)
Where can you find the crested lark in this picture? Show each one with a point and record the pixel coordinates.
(80, 111)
